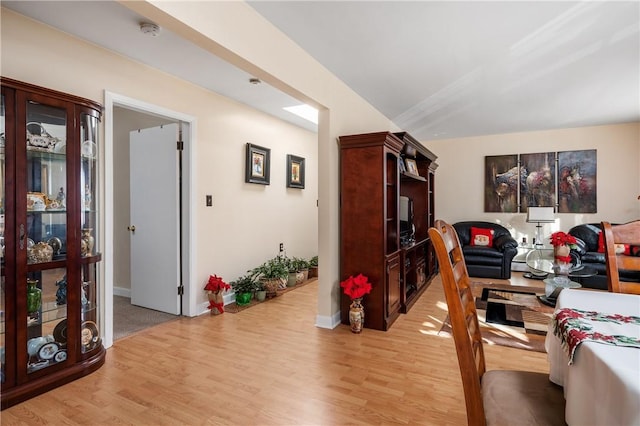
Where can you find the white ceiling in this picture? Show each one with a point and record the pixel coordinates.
(438, 69)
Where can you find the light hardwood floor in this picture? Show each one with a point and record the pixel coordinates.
(269, 365)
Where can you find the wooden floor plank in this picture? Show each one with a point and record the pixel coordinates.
(270, 365)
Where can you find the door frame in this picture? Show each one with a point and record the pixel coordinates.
(189, 191)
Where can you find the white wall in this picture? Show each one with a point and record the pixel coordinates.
(247, 222)
(460, 178)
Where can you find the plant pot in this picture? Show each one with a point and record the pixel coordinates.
(261, 295)
(243, 298)
(271, 286)
(305, 275)
(313, 272)
(293, 278)
(216, 302)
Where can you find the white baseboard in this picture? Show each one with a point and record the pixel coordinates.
(121, 291)
(323, 321)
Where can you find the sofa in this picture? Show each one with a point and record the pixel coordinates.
(490, 253)
(591, 253)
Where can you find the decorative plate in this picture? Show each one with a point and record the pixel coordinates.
(48, 350)
(89, 336)
(60, 356)
(60, 332)
(56, 244)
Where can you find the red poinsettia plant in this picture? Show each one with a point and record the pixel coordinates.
(356, 287)
(214, 288)
(216, 284)
(563, 239)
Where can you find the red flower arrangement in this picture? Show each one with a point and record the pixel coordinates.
(214, 287)
(356, 287)
(216, 283)
(563, 239)
(560, 239)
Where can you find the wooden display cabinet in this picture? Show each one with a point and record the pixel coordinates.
(50, 323)
(371, 183)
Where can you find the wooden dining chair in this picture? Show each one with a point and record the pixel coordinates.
(617, 236)
(496, 397)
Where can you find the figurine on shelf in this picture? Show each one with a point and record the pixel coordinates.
(87, 197)
(61, 197)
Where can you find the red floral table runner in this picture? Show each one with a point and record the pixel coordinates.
(573, 326)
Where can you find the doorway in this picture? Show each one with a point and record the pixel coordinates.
(127, 115)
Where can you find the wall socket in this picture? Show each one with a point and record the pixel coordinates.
(281, 247)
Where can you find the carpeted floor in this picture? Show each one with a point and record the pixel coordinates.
(129, 319)
(509, 316)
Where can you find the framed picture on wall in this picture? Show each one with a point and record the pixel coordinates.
(295, 172)
(257, 164)
(577, 179)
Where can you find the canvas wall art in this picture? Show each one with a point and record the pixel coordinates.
(538, 180)
(501, 184)
(577, 181)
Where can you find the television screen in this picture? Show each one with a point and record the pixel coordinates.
(406, 215)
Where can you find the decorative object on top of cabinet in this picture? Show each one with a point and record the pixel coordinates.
(51, 334)
(257, 164)
(295, 172)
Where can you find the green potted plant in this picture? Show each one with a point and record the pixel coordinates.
(292, 265)
(260, 290)
(243, 288)
(313, 267)
(303, 267)
(273, 273)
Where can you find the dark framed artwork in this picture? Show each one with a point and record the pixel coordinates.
(501, 183)
(295, 172)
(577, 181)
(257, 164)
(537, 180)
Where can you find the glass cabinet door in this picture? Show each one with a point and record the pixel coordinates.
(2, 258)
(90, 330)
(46, 232)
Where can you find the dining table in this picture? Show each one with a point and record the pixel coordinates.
(601, 377)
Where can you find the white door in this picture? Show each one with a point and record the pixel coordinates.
(155, 262)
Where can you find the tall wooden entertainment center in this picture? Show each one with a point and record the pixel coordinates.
(374, 176)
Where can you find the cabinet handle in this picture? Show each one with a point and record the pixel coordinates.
(22, 235)
(132, 228)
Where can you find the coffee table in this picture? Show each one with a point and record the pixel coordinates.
(541, 261)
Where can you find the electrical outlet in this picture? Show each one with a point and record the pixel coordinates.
(281, 247)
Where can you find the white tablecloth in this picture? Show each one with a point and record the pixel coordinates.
(602, 386)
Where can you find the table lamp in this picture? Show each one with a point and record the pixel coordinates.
(540, 215)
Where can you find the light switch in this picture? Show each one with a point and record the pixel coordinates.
(209, 200)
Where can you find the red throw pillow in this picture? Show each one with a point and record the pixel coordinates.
(620, 248)
(482, 237)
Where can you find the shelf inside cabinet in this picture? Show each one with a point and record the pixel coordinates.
(407, 175)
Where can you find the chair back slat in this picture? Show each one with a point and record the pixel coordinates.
(463, 316)
(617, 236)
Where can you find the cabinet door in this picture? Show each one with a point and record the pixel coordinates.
(393, 284)
(43, 218)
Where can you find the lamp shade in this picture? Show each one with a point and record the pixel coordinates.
(540, 215)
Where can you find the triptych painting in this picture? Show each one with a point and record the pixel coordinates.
(565, 180)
